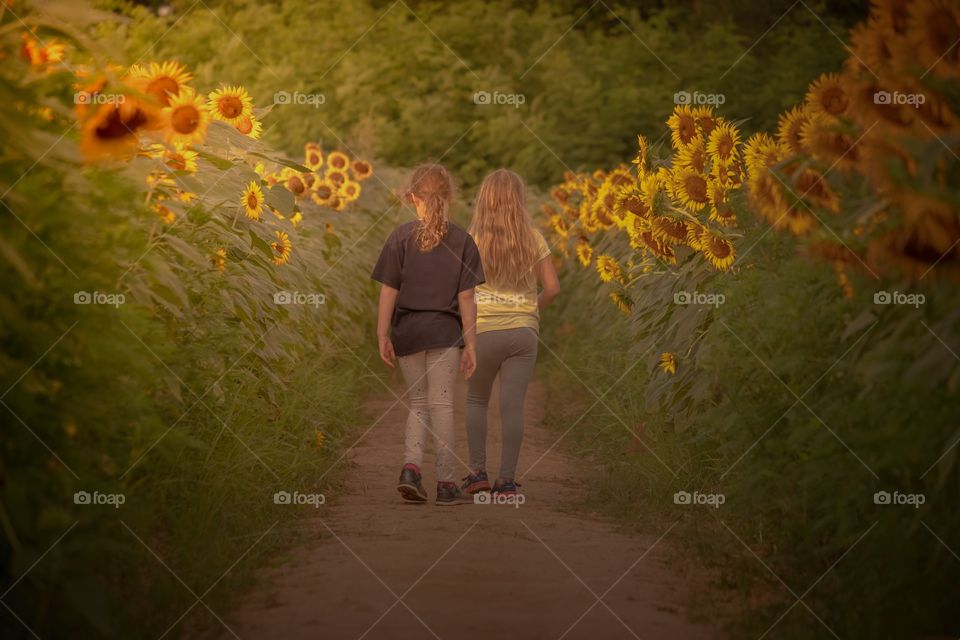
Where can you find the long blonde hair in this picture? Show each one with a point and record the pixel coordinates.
(503, 232)
(432, 184)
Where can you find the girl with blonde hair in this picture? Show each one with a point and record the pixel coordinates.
(515, 258)
(427, 317)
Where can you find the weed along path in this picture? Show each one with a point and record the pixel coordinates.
(378, 568)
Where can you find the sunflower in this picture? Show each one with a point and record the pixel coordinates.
(668, 230)
(39, 54)
(180, 159)
(886, 164)
(683, 126)
(166, 214)
(690, 189)
(872, 47)
(338, 161)
(693, 155)
(310, 179)
(828, 95)
(622, 301)
(630, 202)
(293, 181)
(276, 212)
(641, 161)
(361, 169)
(560, 194)
(936, 114)
(609, 269)
(642, 239)
(933, 29)
(252, 201)
(323, 192)
(230, 104)
(868, 111)
(338, 202)
(722, 143)
(313, 158)
(296, 218)
(720, 210)
(718, 251)
(219, 260)
(789, 127)
(728, 173)
(812, 186)
(250, 127)
(584, 252)
(762, 152)
(349, 190)
(694, 234)
(282, 248)
(767, 197)
(653, 190)
(559, 226)
(334, 176)
(668, 363)
(112, 130)
(892, 14)
(164, 80)
(187, 118)
(826, 141)
(705, 120)
(933, 222)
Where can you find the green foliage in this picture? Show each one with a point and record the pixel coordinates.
(797, 404)
(194, 394)
(399, 79)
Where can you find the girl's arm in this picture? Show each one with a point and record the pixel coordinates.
(388, 301)
(468, 315)
(547, 274)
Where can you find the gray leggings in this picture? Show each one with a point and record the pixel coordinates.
(512, 353)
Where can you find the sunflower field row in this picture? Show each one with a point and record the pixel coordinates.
(789, 302)
(179, 314)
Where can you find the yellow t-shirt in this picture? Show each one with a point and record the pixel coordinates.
(499, 309)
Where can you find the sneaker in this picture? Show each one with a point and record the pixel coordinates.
(410, 486)
(476, 482)
(448, 493)
(505, 487)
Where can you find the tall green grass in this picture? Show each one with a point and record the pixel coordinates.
(878, 410)
(194, 401)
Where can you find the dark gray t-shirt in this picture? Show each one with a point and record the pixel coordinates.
(427, 315)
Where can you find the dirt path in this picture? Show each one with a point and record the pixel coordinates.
(470, 571)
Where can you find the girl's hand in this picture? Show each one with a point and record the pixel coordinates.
(386, 351)
(468, 362)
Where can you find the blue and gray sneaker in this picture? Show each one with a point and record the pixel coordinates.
(476, 482)
(505, 487)
(448, 493)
